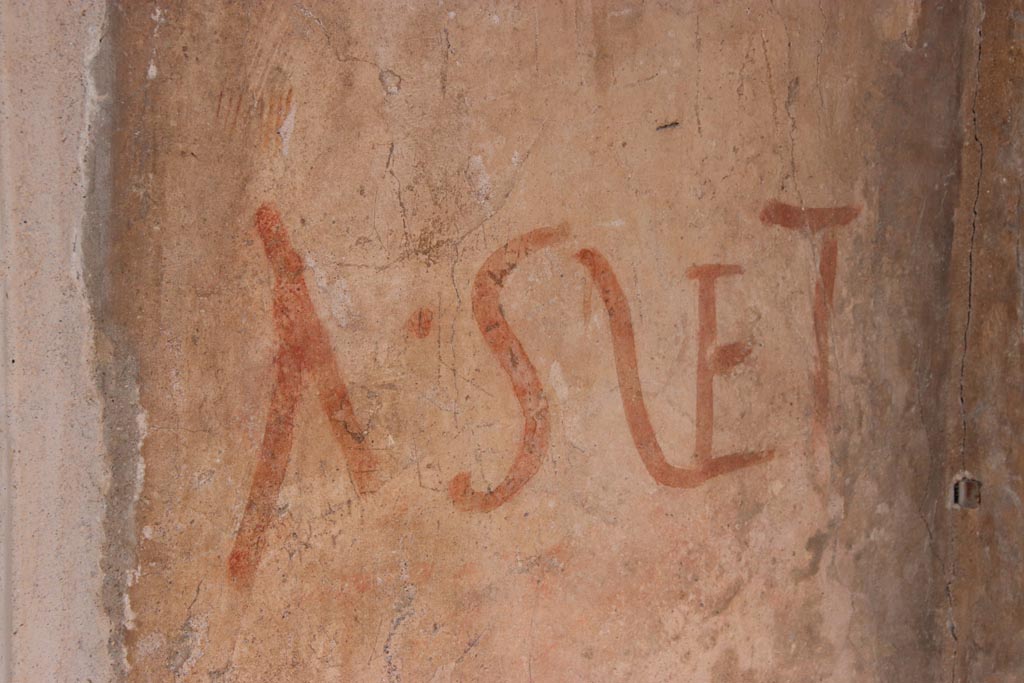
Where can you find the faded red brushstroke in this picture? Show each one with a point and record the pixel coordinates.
(817, 220)
(801, 218)
(304, 354)
(509, 352)
(712, 360)
(420, 323)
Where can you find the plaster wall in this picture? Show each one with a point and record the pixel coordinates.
(512, 341)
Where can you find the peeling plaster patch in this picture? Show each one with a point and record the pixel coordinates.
(92, 104)
(129, 614)
(189, 646)
(133, 575)
(142, 423)
(403, 610)
(557, 381)
(286, 129)
(337, 293)
(480, 179)
(114, 370)
(158, 18)
(306, 12)
(391, 81)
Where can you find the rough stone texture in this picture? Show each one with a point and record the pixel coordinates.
(596, 340)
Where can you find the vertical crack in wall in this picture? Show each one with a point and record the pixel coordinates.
(970, 248)
(951, 577)
(925, 165)
(952, 628)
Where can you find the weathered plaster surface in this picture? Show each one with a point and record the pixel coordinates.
(53, 483)
(401, 146)
(452, 341)
(986, 576)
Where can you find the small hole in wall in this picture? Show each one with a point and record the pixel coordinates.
(966, 493)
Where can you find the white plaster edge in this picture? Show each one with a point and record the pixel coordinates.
(85, 26)
(6, 506)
